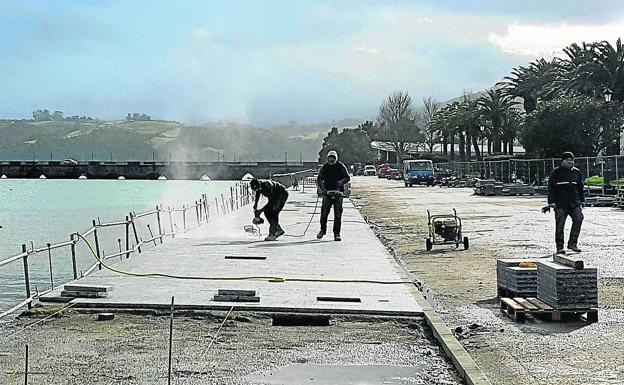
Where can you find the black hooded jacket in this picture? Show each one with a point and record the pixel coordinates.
(565, 188)
(330, 174)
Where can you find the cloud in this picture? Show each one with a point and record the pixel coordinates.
(531, 40)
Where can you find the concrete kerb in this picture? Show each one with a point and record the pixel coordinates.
(465, 365)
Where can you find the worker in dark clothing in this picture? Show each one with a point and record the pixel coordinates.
(566, 196)
(277, 195)
(331, 181)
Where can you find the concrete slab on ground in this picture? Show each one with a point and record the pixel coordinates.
(358, 267)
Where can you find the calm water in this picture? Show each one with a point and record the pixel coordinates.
(44, 211)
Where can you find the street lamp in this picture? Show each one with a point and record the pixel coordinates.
(607, 93)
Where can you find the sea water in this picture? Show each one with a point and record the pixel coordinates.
(40, 211)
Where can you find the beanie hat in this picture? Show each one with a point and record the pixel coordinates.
(567, 155)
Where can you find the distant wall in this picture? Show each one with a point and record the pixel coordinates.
(151, 170)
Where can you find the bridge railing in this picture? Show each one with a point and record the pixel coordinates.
(292, 179)
(139, 230)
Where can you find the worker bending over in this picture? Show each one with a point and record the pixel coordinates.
(277, 196)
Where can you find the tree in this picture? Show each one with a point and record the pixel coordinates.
(576, 123)
(397, 124)
(593, 68)
(430, 131)
(495, 107)
(531, 83)
(352, 145)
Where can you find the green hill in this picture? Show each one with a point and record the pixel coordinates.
(139, 140)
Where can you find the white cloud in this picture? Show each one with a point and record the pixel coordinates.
(548, 40)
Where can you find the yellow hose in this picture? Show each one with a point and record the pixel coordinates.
(243, 278)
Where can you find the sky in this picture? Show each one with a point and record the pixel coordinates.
(270, 62)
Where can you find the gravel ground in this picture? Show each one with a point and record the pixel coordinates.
(462, 284)
(72, 348)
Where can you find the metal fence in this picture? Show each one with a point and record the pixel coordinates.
(124, 237)
(535, 171)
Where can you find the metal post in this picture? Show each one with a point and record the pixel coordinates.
(170, 341)
(159, 225)
(602, 175)
(26, 275)
(50, 266)
(201, 213)
(26, 366)
(197, 212)
(134, 230)
(529, 166)
(217, 205)
(151, 234)
(127, 237)
(184, 217)
(170, 220)
(232, 198)
(119, 242)
(73, 256)
(97, 244)
(587, 164)
(223, 202)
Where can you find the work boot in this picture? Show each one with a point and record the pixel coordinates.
(337, 238)
(279, 233)
(560, 251)
(320, 234)
(271, 237)
(574, 248)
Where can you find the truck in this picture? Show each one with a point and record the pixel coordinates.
(418, 172)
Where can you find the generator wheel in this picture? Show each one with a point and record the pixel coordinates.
(429, 244)
(466, 243)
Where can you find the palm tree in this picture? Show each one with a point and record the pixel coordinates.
(530, 83)
(495, 108)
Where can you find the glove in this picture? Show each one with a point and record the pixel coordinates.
(257, 213)
(546, 209)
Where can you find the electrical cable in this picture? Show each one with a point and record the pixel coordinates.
(241, 278)
(309, 222)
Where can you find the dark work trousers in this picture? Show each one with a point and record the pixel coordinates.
(328, 202)
(271, 212)
(560, 218)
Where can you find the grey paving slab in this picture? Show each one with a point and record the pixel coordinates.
(311, 268)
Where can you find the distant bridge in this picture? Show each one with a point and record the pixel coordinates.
(149, 170)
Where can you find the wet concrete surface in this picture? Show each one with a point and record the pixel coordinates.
(462, 283)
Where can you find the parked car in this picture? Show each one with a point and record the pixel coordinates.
(69, 162)
(394, 174)
(369, 169)
(382, 170)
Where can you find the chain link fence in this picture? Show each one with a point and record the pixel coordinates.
(534, 171)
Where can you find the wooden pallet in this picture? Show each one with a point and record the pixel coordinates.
(520, 309)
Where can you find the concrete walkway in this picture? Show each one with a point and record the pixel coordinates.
(204, 252)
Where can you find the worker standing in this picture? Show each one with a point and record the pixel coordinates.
(331, 181)
(566, 196)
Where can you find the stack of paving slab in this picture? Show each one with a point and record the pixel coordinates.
(85, 291)
(489, 187)
(515, 280)
(564, 287)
